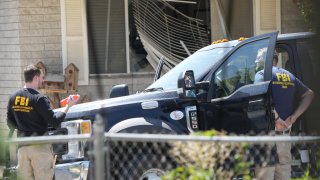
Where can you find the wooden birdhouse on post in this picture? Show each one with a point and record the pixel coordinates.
(71, 77)
(56, 84)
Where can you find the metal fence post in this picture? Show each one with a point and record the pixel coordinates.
(98, 148)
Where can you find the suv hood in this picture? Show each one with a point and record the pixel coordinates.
(92, 108)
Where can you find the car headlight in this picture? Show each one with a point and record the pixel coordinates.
(76, 148)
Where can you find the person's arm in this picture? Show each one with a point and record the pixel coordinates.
(280, 124)
(53, 118)
(71, 102)
(259, 77)
(304, 103)
(11, 122)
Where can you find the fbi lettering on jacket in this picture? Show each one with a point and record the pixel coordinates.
(21, 104)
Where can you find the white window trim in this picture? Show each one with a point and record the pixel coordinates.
(84, 38)
(256, 18)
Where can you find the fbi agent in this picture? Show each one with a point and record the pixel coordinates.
(287, 90)
(29, 112)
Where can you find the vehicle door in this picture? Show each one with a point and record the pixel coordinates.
(238, 98)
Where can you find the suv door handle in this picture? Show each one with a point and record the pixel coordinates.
(256, 101)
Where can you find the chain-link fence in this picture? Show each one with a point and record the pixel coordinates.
(138, 156)
(154, 156)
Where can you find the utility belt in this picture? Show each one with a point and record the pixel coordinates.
(58, 148)
(31, 133)
(285, 132)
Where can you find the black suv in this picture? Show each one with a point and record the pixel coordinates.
(214, 88)
(223, 95)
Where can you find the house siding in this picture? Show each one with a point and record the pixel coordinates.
(30, 31)
(10, 65)
(40, 33)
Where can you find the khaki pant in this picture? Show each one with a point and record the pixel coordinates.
(35, 162)
(282, 170)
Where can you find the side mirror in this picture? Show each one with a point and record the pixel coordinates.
(187, 85)
(203, 86)
(202, 91)
(119, 90)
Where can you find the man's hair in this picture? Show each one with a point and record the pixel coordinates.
(29, 72)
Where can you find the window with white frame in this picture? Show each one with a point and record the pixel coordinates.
(111, 49)
(100, 36)
(94, 38)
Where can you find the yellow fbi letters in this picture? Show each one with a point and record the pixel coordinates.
(284, 80)
(21, 104)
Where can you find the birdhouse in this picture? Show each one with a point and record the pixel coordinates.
(71, 77)
(42, 67)
(53, 82)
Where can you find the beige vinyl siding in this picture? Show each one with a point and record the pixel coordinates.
(74, 36)
(30, 31)
(10, 64)
(266, 16)
(73, 18)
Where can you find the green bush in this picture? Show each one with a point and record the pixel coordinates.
(2, 148)
(306, 8)
(209, 160)
(181, 173)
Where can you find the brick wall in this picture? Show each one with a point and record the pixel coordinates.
(291, 18)
(10, 65)
(40, 33)
(30, 31)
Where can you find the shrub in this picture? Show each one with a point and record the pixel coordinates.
(209, 160)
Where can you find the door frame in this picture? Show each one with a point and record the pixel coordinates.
(268, 65)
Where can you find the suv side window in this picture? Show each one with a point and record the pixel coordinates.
(284, 59)
(240, 68)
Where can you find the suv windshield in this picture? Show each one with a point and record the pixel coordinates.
(200, 62)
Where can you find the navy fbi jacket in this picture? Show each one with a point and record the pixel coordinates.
(30, 113)
(286, 88)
